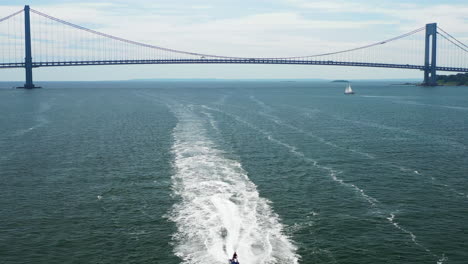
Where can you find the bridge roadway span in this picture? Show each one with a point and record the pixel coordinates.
(227, 61)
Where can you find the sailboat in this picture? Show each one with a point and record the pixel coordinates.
(348, 89)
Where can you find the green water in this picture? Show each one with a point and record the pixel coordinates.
(188, 172)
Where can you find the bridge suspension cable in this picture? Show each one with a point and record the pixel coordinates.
(56, 42)
(362, 47)
(127, 41)
(122, 39)
(453, 40)
(11, 39)
(456, 40)
(451, 51)
(12, 15)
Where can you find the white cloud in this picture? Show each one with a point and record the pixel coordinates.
(453, 16)
(269, 33)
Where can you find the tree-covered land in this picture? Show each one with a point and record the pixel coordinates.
(457, 79)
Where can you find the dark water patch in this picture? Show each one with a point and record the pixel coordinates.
(378, 177)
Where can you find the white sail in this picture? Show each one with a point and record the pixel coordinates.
(348, 89)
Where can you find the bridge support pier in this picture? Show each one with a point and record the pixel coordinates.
(430, 55)
(28, 57)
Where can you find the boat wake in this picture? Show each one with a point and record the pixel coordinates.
(391, 220)
(40, 119)
(220, 210)
(275, 119)
(408, 102)
(333, 174)
(379, 159)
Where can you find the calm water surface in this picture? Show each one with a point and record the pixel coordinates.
(188, 172)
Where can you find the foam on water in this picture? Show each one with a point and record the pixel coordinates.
(438, 139)
(220, 210)
(433, 179)
(222, 99)
(40, 119)
(307, 133)
(212, 121)
(307, 222)
(431, 105)
(333, 174)
(372, 156)
(391, 219)
(320, 139)
(381, 96)
(442, 259)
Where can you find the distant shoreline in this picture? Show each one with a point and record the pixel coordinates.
(409, 84)
(214, 79)
(439, 84)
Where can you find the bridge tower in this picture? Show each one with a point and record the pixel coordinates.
(28, 56)
(430, 55)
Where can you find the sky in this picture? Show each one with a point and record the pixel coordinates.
(254, 28)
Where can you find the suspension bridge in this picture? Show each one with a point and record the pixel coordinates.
(56, 43)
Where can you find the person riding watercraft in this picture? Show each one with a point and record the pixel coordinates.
(234, 259)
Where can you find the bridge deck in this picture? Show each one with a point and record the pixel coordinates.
(228, 61)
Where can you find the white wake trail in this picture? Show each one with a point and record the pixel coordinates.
(40, 118)
(220, 210)
(431, 105)
(333, 174)
(372, 156)
(278, 121)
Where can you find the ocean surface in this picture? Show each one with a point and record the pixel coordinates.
(191, 171)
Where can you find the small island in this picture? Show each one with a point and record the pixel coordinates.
(340, 81)
(407, 83)
(460, 79)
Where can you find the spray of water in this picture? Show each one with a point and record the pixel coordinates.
(220, 210)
